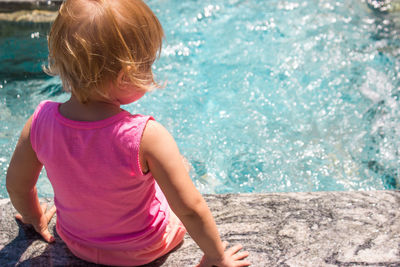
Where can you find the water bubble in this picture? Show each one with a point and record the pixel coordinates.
(207, 11)
(288, 6)
(35, 35)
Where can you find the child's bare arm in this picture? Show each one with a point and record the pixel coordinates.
(21, 179)
(164, 160)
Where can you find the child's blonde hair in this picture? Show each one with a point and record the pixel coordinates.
(92, 41)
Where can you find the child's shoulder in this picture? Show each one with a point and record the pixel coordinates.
(43, 106)
(154, 129)
(140, 120)
(155, 137)
(47, 103)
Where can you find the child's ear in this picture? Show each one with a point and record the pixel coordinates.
(122, 78)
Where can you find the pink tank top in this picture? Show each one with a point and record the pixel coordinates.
(102, 197)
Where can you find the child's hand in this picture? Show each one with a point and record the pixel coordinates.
(41, 225)
(232, 258)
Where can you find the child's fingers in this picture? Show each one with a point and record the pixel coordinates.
(18, 217)
(50, 213)
(47, 236)
(243, 263)
(233, 250)
(240, 255)
(43, 206)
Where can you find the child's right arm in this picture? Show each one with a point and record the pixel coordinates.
(21, 179)
(162, 157)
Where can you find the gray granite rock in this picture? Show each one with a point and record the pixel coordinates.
(33, 16)
(288, 229)
(384, 6)
(16, 5)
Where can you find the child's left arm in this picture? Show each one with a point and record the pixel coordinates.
(22, 176)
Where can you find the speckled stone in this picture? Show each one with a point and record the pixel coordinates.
(34, 16)
(17, 5)
(385, 6)
(288, 229)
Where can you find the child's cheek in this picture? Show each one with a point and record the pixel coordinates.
(127, 99)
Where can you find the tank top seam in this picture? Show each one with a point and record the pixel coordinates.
(142, 127)
(88, 125)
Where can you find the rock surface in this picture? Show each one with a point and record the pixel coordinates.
(16, 5)
(288, 229)
(34, 16)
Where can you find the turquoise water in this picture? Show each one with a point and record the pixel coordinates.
(261, 96)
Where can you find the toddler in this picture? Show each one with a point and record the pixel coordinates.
(118, 179)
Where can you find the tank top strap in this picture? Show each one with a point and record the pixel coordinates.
(141, 122)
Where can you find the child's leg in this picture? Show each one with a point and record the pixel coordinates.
(84, 252)
(172, 237)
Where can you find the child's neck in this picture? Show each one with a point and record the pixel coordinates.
(91, 111)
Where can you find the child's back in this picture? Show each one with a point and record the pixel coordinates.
(102, 197)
